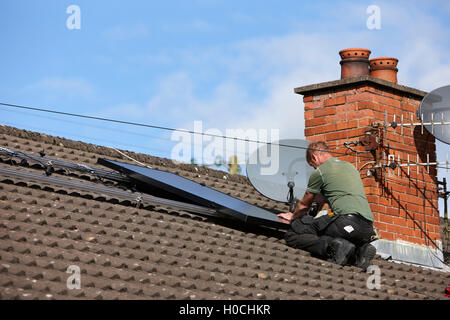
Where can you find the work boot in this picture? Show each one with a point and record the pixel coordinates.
(364, 255)
(340, 251)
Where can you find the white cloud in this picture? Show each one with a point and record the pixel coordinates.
(145, 59)
(258, 75)
(255, 89)
(192, 25)
(425, 65)
(121, 32)
(53, 88)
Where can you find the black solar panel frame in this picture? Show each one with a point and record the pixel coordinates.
(136, 197)
(61, 164)
(186, 194)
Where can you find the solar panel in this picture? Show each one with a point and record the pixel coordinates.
(198, 193)
(56, 163)
(134, 197)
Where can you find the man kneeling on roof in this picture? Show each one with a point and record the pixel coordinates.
(342, 236)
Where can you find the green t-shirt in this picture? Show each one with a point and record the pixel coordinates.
(341, 184)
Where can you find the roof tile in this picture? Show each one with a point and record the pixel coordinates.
(155, 252)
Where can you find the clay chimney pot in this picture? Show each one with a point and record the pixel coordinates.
(355, 62)
(384, 68)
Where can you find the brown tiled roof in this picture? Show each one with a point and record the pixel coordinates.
(158, 252)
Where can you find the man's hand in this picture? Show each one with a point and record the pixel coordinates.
(300, 209)
(289, 216)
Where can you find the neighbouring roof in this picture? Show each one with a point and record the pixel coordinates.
(158, 252)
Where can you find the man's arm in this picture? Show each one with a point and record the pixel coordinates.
(322, 202)
(301, 208)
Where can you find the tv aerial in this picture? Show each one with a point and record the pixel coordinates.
(288, 179)
(433, 113)
(434, 116)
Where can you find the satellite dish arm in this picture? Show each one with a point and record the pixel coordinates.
(300, 209)
(291, 199)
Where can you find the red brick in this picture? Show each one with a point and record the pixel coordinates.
(312, 138)
(335, 136)
(372, 198)
(324, 112)
(410, 108)
(347, 125)
(373, 191)
(355, 133)
(308, 114)
(323, 128)
(414, 199)
(434, 221)
(400, 221)
(315, 122)
(393, 228)
(307, 98)
(361, 105)
(334, 101)
(389, 94)
(338, 117)
(346, 92)
(364, 122)
(402, 237)
(418, 233)
(308, 132)
(360, 114)
(346, 107)
(385, 201)
(408, 231)
(376, 215)
(387, 101)
(386, 218)
(410, 223)
(364, 96)
(379, 225)
(313, 105)
(378, 208)
(386, 235)
(398, 188)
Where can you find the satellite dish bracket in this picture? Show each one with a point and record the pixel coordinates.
(291, 199)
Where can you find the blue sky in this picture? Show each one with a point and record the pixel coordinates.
(229, 64)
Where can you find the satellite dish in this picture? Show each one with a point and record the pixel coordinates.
(435, 113)
(288, 179)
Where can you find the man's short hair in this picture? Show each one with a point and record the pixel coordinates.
(316, 147)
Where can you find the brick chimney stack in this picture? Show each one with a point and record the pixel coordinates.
(350, 115)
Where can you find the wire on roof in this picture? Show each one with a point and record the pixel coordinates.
(153, 126)
(130, 158)
(172, 129)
